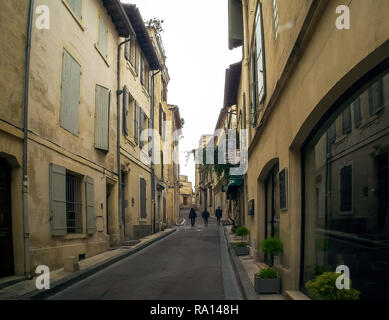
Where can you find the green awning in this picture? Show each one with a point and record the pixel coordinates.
(234, 184)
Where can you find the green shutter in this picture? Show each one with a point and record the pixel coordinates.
(126, 102)
(235, 23)
(102, 118)
(76, 6)
(57, 180)
(103, 33)
(90, 206)
(70, 93)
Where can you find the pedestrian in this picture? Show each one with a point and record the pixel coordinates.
(219, 213)
(205, 217)
(192, 216)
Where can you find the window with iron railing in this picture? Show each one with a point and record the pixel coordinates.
(73, 204)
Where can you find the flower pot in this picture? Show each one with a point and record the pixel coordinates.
(241, 251)
(265, 286)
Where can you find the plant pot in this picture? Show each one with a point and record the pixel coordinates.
(265, 286)
(241, 251)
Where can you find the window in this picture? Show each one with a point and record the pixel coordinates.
(142, 119)
(357, 112)
(164, 126)
(70, 93)
(143, 190)
(160, 119)
(150, 82)
(128, 50)
(102, 118)
(136, 59)
(346, 121)
(346, 189)
(66, 202)
(126, 105)
(376, 97)
(331, 134)
(164, 90)
(161, 165)
(259, 58)
(103, 36)
(73, 204)
(142, 71)
(76, 6)
(136, 122)
(275, 18)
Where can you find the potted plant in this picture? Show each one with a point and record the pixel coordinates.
(242, 232)
(272, 246)
(241, 249)
(323, 287)
(267, 281)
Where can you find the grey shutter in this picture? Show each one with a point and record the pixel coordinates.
(70, 93)
(141, 127)
(357, 112)
(150, 138)
(136, 60)
(346, 188)
(127, 50)
(136, 123)
(57, 178)
(102, 118)
(126, 101)
(331, 133)
(150, 82)
(376, 99)
(142, 70)
(90, 206)
(143, 212)
(260, 54)
(346, 120)
(103, 34)
(235, 23)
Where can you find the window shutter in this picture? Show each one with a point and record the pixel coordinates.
(136, 123)
(331, 134)
(76, 6)
(259, 54)
(142, 70)
(150, 82)
(127, 50)
(235, 23)
(253, 97)
(143, 212)
(57, 177)
(164, 126)
(357, 112)
(90, 206)
(346, 121)
(141, 127)
(376, 100)
(346, 188)
(160, 120)
(70, 93)
(126, 102)
(103, 34)
(150, 138)
(102, 118)
(136, 60)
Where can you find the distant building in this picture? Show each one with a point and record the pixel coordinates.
(186, 193)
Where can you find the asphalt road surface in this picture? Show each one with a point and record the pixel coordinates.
(191, 264)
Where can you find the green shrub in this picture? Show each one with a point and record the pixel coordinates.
(241, 244)
(267, 273)
(271, 246)
(323, 287)
(242, 231)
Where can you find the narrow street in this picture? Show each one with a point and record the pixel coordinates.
(191, 264)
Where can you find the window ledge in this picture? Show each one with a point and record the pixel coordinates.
(131, 68)
(79, 22)
(340, 139)
(74, 236)
(371, 120)
(142, 220)
(102, 55)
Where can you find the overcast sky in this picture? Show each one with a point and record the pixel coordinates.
(195, 38)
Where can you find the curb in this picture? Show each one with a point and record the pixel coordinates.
(241, 274)
(83, 274)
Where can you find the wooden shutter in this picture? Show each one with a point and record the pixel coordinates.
(346, 121)
(150, 82)
(376, 100)
(150, 139)
(141, 127)
(70, 93)
(357, 112)
(142, 70)
(143, 212)
(103, 35)
(331, 133)
(57, 180)
(136, 60)
(76, 6)
(259, 54)
(127, 51)
(160, 120)
(126, 102)
(136, 123)
(90, 206)
(102, 118)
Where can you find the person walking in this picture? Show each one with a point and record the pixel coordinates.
(192, 216)
(219, 213)
(205, 217)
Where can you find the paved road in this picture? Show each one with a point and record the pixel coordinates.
(191, 264)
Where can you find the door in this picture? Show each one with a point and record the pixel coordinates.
(272, 212)
(382, 191)
(6, 249)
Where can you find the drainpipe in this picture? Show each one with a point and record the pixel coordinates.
(152, 139)
(26, 229)
(118, 134)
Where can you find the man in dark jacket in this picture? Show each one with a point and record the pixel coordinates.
(219, 213)
(205, 217)
(192, 216)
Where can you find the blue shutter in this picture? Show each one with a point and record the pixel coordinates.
(70, 93)
(90, 206)
(102, 118)
(57, 180)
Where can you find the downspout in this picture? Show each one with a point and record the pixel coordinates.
(118, 135)
(152, 139)
(26, 229)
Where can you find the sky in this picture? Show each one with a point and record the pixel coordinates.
(195, 39)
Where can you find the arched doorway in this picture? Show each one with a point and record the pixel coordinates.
(6, 248)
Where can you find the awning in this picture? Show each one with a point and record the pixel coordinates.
(234, 184)
(231, 86)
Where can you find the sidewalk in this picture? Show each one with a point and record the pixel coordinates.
(59, 279)
(245, 268)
